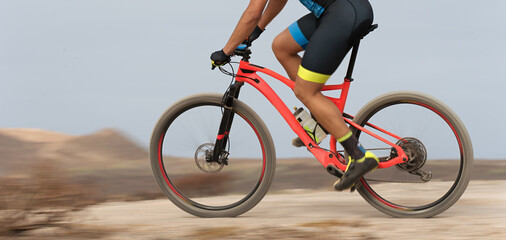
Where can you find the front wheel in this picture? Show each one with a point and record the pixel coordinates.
(439, 150)
(181, 151)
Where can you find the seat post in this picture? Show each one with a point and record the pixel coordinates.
(351, 65)
(354, 52)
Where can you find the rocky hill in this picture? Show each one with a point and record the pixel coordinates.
(23, 147)
(108, 159)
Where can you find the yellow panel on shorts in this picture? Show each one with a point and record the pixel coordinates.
(312, 76)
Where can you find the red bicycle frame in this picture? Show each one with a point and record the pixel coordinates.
(247, 73)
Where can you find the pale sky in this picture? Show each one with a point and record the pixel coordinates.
(80, 66)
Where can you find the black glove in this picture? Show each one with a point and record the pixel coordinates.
(219, 58)
(253, 36)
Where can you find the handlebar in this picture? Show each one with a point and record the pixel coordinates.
(244, 51)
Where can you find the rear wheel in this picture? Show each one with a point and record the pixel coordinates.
(181, 150)
(439, 150)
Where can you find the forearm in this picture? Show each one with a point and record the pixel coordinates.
(273, 9)
(243, 29)
(249, 20)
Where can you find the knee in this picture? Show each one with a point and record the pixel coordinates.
(302, 94)
(307, 92)
(277, 46)
(281, 46)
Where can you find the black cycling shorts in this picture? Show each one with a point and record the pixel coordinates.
(327, 39)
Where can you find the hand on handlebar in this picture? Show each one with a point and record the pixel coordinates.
(253, 36)
(219, 58)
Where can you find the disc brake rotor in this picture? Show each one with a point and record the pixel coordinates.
(202, 154)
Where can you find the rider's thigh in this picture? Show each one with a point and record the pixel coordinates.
(286, 48)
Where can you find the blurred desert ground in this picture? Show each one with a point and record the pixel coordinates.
(41, 169)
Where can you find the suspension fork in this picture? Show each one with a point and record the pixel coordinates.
(226, 121)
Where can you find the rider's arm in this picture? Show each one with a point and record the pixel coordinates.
(272, 10)
(246, 24)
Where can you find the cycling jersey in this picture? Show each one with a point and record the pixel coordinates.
(328, 36)
(317, 7)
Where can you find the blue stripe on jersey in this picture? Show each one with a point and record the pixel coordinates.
(313, 7)
(297, 35)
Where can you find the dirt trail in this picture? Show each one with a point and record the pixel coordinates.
(298, 214)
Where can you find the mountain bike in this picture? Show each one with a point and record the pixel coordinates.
(213, 156)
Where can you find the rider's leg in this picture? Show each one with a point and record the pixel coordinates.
(326, 41)
(325, 111)
(328, 115)
(286, 47)
(286, 50)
